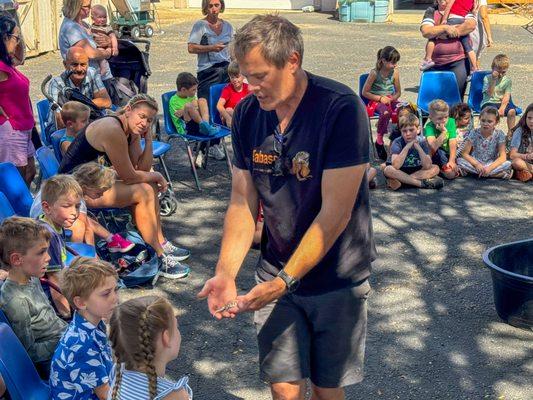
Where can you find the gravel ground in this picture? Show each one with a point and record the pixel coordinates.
(433, 331)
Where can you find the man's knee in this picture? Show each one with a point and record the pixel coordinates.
(288, 390)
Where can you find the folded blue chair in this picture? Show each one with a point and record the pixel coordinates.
(55, 139)
(475, 94)
(189, 140)
(43, 111)
(6, 210)
(48, 163)
(15, 189)
(437, 85)
(158, 151)
(3, 318)
(17, 370)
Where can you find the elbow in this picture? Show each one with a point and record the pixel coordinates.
(190, 49)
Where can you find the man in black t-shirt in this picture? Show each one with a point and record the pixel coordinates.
(301, 148)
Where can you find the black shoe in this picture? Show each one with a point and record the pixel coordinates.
(382, 153)
(432, 183)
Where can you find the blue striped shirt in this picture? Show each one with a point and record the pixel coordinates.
(134, 385)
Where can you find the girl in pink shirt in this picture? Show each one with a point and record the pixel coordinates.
(16, 116)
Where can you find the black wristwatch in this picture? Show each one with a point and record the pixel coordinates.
(292, 283)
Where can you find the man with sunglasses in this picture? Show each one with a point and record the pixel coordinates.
(301, 147)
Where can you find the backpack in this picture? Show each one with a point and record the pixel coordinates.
(138, 266)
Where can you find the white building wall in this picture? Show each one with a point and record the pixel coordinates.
(265, 4)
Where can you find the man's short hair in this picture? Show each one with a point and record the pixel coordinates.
(408, 120)
(277, 37)
(84, 276)
(60, 185)
(74, 110)
(17, 235)
(233, 69)
(185, 80)
(501, 61)
(439, 106)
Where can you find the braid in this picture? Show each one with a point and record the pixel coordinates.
(118, 380)
(147, 352)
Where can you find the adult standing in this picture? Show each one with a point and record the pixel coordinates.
(209, 40)
(301, 148)
(16, 115)
(75, 32)
(482, 35)
(449, 54)
(116, 141)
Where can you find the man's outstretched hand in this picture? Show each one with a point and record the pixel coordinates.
(261, 294)
(220, 291)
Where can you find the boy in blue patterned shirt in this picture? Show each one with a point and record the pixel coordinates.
(82, 363)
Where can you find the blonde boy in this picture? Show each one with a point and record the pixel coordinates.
(441, 134)
(82, 363)
(409, 161)
(24, 253)
(61, 199)
(75, 116)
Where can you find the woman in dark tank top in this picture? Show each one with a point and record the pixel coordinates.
(116, 141)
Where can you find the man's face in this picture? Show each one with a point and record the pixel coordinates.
(77, 62)
(272, 86)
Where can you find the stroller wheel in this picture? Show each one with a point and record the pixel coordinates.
(168, 204)
(135, 32)
(148, 31)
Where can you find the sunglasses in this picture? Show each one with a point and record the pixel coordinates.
(280, 167)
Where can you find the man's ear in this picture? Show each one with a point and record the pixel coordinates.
(294, 61)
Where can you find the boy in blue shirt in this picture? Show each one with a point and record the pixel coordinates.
(83, 361)
(409, 162)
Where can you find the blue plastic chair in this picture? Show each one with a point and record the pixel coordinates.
(43, 111)
(190, 140)
(437, 85)
(6, 210)
(15, 189)
(56, 145)
(81, 249)
(48, 163)
(3, 318)
(17, 370)
(214, 95)
(159, 149)
(475, 94)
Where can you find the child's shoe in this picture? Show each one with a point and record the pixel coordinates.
(216, 152)
(208, 129)
(523, 175)
(119, 245)
(426, 64)
(200, 159)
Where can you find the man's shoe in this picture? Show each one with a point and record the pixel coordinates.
(433, 183)
(200, 159)
(178, 252)
(171, 268)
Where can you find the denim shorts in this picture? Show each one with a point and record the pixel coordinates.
(318, 337)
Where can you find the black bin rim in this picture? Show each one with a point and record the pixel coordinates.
(494, 267)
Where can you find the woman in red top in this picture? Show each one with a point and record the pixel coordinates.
(16, 115)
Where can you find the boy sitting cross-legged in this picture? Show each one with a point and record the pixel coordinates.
(409, 162)
(24, 253)
(82, 363)
(61, 199)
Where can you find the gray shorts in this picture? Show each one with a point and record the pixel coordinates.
(319, 337)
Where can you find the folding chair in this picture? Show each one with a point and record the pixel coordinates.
(214, 116)
(158, 151)
(17, 370)
(475, 95)
(15, 189)
(437, 85)
(189, 140)
(56, 143)
(6, 210)
(48, 163)
(43, 111)
(3, 318)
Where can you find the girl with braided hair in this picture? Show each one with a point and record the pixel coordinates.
(145, 337)
(522, 146)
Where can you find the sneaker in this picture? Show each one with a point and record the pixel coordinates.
(426, 64)
(119, 245)
(507, 175)
(178, 252)
(171, 268)
(432, 183)
(208, 129)
(382, 153)
(523, 175)
(216, 152)
(200, 159)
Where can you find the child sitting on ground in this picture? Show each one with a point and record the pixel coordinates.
(484, 151)
(100, 26)
(232, 93)
(462, 114)
(522, 146)
(145, 338)
(453, 13)
(82, 363)
(440, 134)
(497, 91)
(24, 253)
(409, 162)
(402, 110)
(382, 89)
(60, 198)
(75, 116)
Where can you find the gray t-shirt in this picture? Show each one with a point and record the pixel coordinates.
(32, 318)
(516, 142)
(71, 33)
(201, 29)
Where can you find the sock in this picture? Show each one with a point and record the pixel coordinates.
(109, 239)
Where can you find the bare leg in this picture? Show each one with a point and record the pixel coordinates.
(521, 165)
(142, 198)
(327, 393)
(98, 229)
(372, 173)
(204, 109)
(79, 230)
(430, 46)
(288, 390)
(473, 60)
(190, 112)
(511, 121)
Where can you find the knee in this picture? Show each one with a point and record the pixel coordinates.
(202, 101)
(511, 113)
(389, 171)
(285, 391)
(434, 169)
(144, 192)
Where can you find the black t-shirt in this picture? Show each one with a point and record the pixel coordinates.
(328, 130)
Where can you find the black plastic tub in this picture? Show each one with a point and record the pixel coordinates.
(511, 266)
